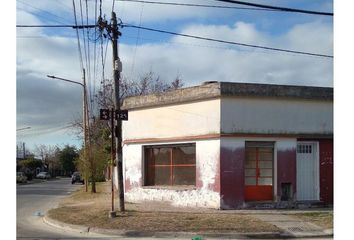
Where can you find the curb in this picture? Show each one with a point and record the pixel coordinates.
(65, 226)
(190, 235)
(141, 234)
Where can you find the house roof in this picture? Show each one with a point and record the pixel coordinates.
(228, 89)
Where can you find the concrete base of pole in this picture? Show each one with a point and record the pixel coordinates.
(112, 214)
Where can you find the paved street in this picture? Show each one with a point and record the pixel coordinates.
(33, 201)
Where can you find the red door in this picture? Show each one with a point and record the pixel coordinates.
(258, 173)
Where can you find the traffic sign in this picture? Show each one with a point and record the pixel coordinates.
(121, 115)
(104, 114)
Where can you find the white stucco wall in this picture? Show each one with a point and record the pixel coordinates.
(284, 116)
(205, 194)
(187, 119)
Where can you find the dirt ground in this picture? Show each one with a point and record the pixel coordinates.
(324, 220)
(92, 210)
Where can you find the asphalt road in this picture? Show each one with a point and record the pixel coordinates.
(33, 202)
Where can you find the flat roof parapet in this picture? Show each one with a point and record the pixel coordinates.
(228, 89)
(272, 90)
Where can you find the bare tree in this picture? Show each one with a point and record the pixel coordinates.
(100, 131)
(50, 157)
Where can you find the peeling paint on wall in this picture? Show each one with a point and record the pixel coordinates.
(132, 165)
(182, 198)
(206, 193)
(207, 160)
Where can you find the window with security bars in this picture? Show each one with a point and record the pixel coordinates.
(304, 148)
(169, 165)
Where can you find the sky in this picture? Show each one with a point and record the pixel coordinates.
(48, 107)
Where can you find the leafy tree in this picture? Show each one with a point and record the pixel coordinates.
(28, 166)
(67, 157)
(31, 164)
(99, 155)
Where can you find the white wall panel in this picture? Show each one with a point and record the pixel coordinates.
(282, 116)
(189, 119)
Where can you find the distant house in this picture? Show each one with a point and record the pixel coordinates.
(230, 145)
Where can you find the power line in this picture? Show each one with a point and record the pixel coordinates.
(94, 56)
(276, 7)
(83, 34)
(89, 57)
(78, 38)
(195, 5)
(227, 42)
(44, 131)
(136, 42)
(56, 26)
(42, 10)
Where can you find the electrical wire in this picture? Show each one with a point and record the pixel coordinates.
(227, 42)
(55, 26)
(276, 7)
(136, 42)
(42, 10)
(83, 35)
(78, 38)
(44, 131)
(195, 5)
(89, 59)
(94, 57)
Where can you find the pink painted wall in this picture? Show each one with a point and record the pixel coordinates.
(286, 169)
(232, 177)
(326, 170)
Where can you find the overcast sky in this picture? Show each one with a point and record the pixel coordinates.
(48, 106)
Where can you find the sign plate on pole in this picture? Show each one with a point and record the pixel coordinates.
(104, 114)
(121, 115)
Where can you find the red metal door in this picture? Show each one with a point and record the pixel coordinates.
(258, 173)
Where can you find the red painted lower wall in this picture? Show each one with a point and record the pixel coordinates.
(286, 170)
(326, 170)
(232, 177)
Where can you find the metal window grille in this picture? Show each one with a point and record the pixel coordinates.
(304, 148)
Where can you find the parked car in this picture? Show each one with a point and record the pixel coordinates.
(21, 177)
(76, 177)
(43, 175)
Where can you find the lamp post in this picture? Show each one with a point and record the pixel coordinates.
(85, 114)
(21, 129)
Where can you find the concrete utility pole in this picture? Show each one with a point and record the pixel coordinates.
(85, 124)
(117, 68)
(112, 213)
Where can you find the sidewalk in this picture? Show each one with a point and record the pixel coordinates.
(88, 213)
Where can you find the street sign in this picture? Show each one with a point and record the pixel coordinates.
(121, 115)
(104, 114)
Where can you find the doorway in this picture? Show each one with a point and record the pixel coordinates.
(259, 162)
(307, 171)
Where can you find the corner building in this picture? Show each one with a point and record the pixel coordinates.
(230, 145)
